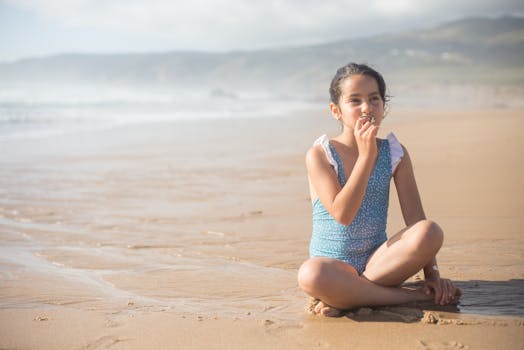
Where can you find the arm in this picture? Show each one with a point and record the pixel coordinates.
(410, 202)
(407, 190)
(413, 212)
(343, 202)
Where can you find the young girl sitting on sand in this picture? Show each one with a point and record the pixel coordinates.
(352, 262)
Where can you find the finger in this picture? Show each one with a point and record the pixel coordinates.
(358, 124)
(443, 292)
(451, 290)
(457, 294)
(454, 293)
(373, 130)
(426, 290)
(364, 125)
(438, 293)
(444, 297)
(369, 130)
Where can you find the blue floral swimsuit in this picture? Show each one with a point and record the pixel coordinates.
(355, 243)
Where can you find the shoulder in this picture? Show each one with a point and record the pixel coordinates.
(394, 143)
(319, 155)
(319, 149)
(397, 151)
(404, 165)
(316, 154)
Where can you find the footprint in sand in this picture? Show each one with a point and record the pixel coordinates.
(102, 343)
(281, 327)
(41, 318)
(111, 324)
(452, 344)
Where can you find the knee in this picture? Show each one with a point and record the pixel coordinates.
(310, 276)
(429, 236)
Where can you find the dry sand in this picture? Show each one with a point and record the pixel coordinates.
(189, 235)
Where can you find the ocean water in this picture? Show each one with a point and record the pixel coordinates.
(42, 112)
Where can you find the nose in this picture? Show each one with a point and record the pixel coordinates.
(366, 107)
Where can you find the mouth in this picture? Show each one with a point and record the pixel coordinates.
(369, 117)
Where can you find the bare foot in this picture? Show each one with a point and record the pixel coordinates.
(451, 299)
(318, 307)
(421, 296)
(455, 298)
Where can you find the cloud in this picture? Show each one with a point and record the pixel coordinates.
(229, 24)
(206, 23)
(396, 8)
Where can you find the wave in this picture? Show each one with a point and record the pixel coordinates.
(42, 115)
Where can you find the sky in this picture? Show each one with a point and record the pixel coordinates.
(35, 28)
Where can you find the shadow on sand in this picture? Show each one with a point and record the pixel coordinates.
(479, 298)
(495, 298)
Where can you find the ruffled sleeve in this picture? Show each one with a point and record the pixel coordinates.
(395, 150)
(324, 142)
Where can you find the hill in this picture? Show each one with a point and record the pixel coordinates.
(476, 53)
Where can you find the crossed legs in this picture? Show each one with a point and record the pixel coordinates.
(338, 284)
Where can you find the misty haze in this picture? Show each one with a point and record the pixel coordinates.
(474, 61)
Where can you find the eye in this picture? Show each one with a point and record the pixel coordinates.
(376, 99)
(354, 101)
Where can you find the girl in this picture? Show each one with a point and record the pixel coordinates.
(352, 262)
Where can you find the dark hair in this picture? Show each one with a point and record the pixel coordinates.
(355, 69)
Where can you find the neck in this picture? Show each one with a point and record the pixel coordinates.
(347, 138)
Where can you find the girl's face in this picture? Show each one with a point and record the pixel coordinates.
(360, 97)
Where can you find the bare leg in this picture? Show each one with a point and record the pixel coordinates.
(338, 284)
(404, 254)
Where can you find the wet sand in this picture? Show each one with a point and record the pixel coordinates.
(190, 234)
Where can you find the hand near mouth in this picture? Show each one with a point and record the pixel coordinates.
(369, 117)
(365, 133)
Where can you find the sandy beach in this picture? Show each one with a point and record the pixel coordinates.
(189, 234)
